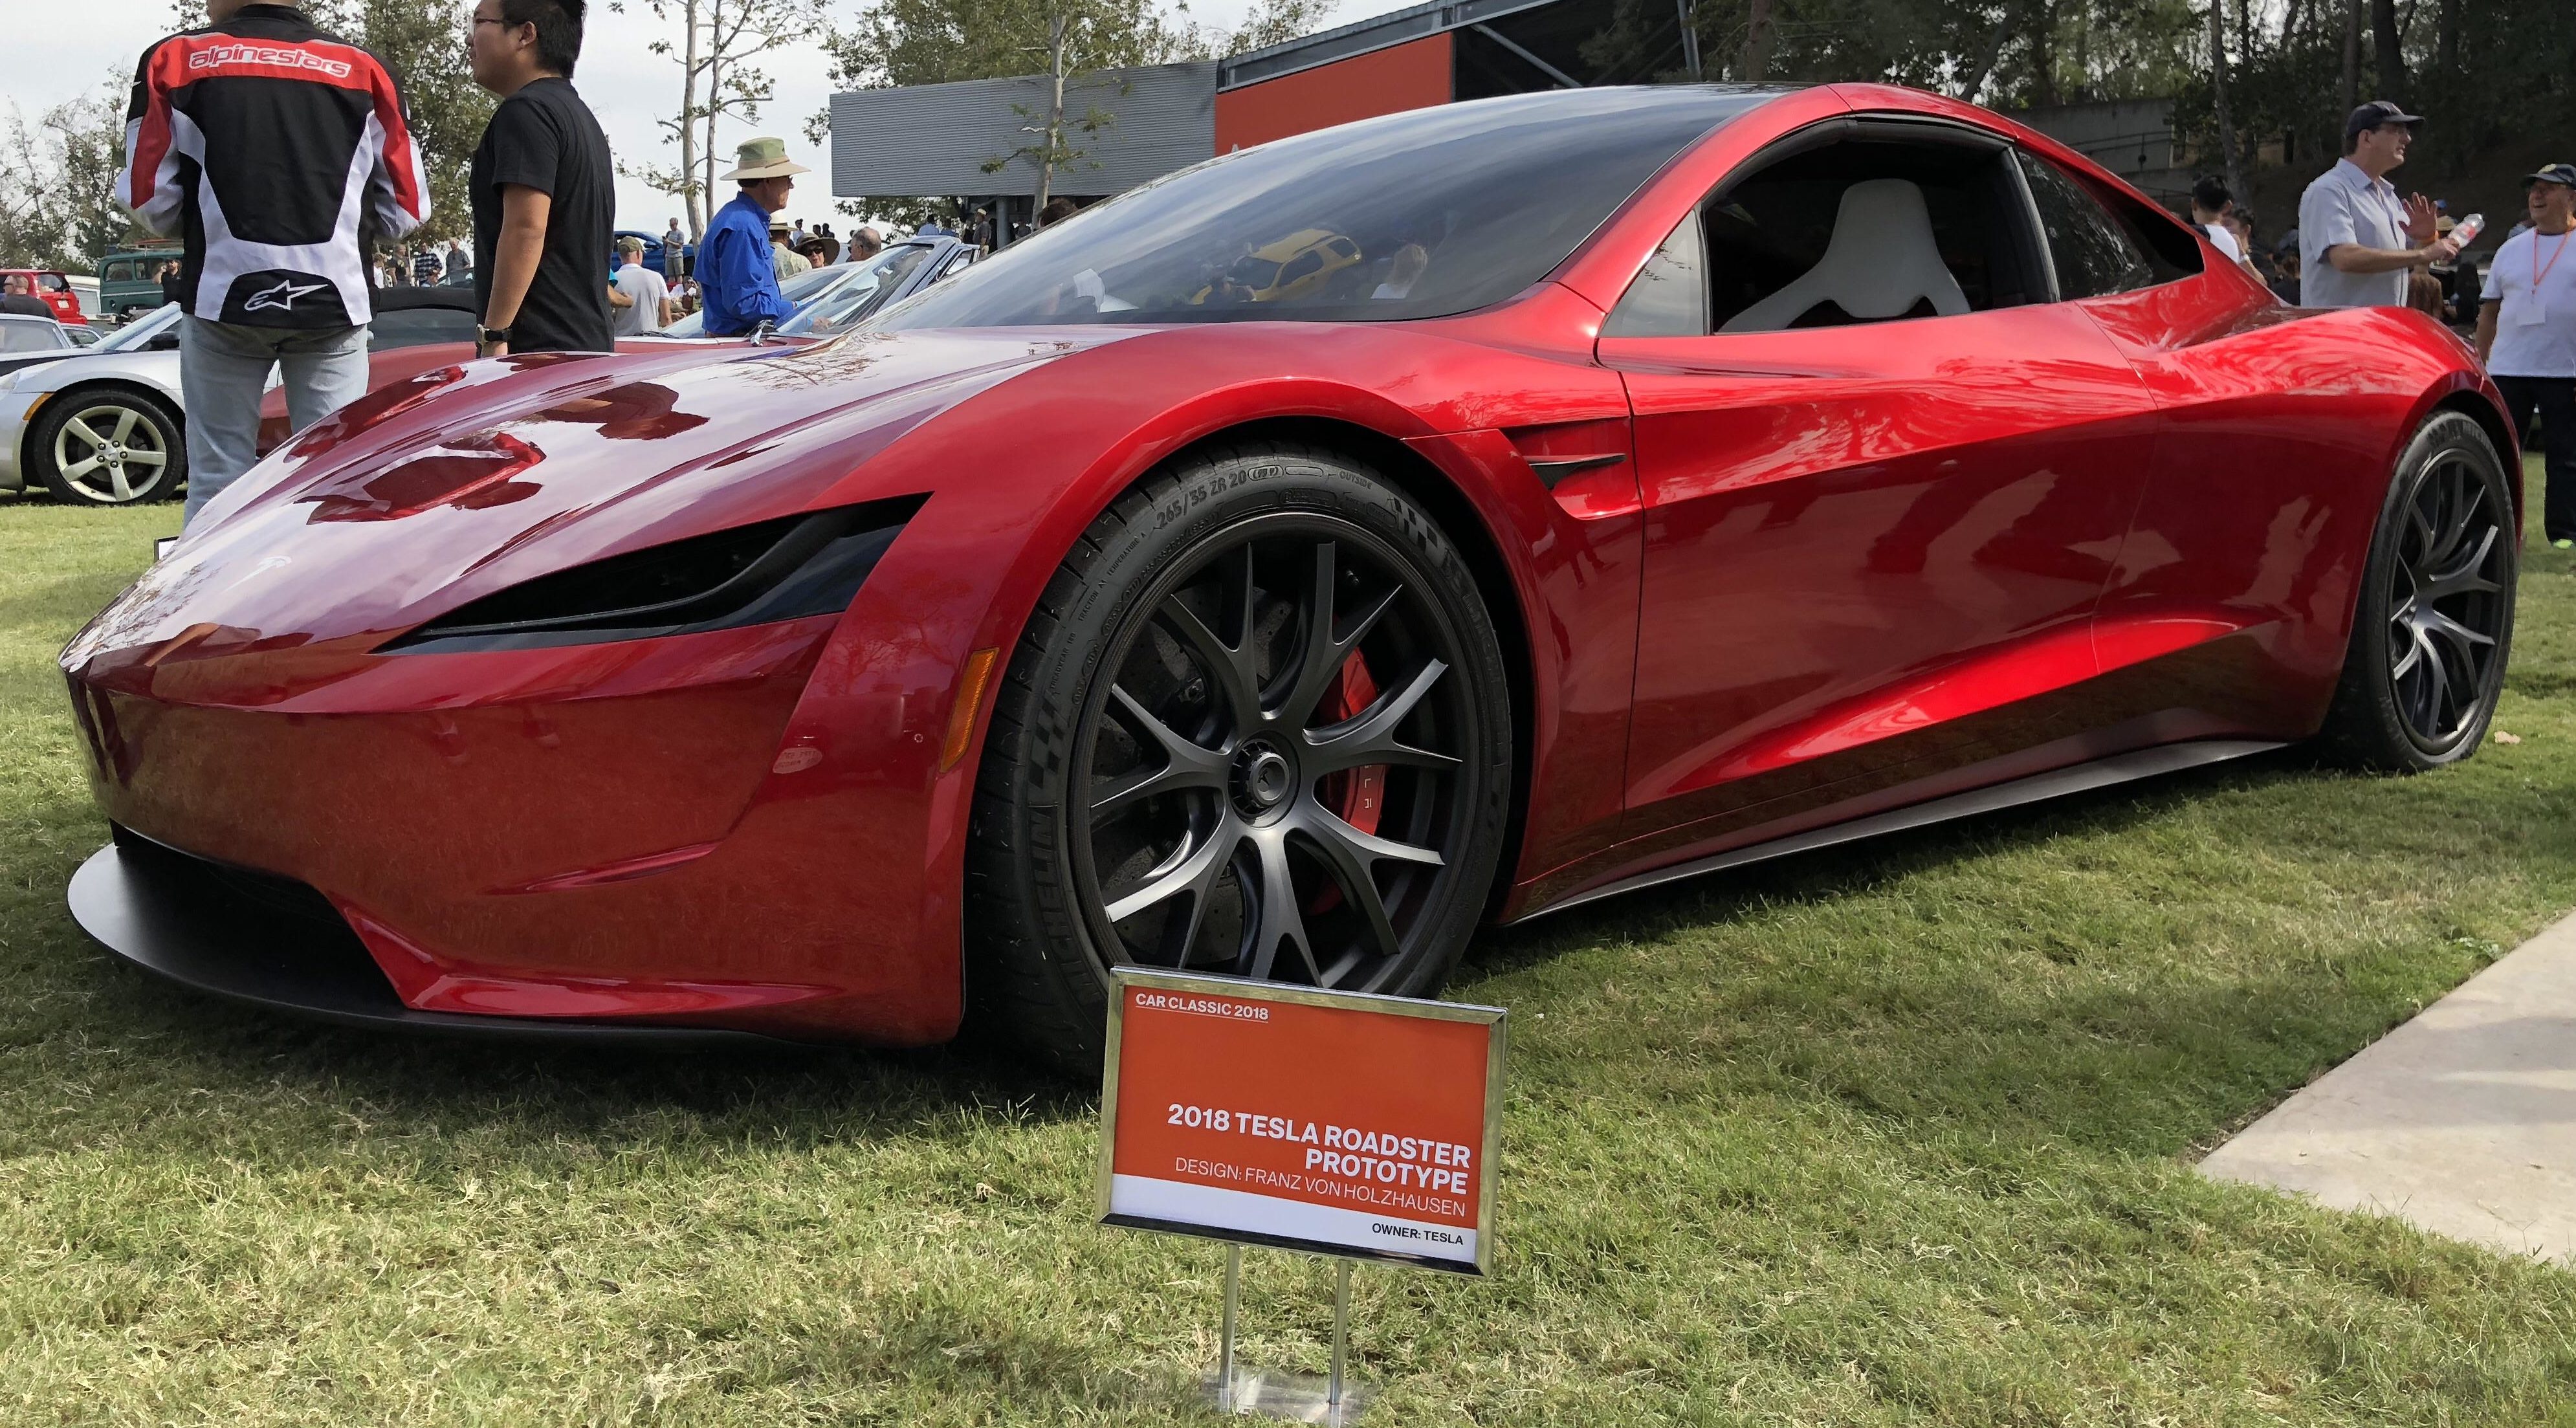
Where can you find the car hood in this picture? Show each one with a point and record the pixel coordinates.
(456, 482)
(57, 370)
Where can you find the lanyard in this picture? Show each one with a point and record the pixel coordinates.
(2538, 272)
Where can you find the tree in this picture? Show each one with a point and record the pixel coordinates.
(2388, 50)
(58, 205)
(2218, 92)
(719, 39)
(1757, 41)
(907, 42)
(1053, 146)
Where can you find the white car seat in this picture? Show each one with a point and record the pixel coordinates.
(1881, 261)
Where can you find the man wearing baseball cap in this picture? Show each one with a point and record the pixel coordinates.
(735, 271)
(2357, 242)
(2527, 336)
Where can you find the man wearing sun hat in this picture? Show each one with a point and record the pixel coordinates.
(735, 272)
(2527, 336)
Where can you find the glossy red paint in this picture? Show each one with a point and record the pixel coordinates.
(1834, 572)
(414, 370)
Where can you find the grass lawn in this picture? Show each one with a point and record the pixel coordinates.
(1899, 1133)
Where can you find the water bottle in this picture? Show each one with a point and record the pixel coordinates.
(2466, 231)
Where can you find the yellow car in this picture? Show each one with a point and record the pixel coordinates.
(1293, 267)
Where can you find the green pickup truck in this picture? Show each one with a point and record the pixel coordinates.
(129, 280)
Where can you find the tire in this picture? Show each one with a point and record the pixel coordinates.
(1169, 677)
(2433, 624)
(144, 438)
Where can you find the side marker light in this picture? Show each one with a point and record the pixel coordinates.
(970, 697)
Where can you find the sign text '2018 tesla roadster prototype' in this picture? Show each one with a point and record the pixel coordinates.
(1608, 485)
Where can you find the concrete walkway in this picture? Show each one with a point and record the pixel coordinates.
(2462, 1121)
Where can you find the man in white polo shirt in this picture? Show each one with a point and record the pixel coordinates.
(2527, 336)
(2357, 243)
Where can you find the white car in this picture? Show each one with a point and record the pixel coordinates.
(101, 427)
(106, 426)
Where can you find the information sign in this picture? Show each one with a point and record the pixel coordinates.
(1333, 1122)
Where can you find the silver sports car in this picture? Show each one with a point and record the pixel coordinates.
(106, 425)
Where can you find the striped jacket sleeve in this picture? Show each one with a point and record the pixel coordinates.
(398, 189)
(149, 185)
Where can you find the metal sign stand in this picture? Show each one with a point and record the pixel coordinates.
(1285, 1398)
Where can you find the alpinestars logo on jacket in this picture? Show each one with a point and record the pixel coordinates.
(267, 145)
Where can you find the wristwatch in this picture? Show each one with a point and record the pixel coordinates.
(491, 336)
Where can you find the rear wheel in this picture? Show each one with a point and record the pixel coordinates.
(2434, 620)
(1257, 727)
(108, 448)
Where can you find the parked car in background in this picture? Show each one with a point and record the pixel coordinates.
(838, 298)
(85, 292)
(107, 427)
(652, 249)
(56, 289)
(129, 280)
(26, 341)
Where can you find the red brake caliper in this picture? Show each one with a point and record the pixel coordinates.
(1358, 794)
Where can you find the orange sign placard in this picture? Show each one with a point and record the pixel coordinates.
(1332, 1122)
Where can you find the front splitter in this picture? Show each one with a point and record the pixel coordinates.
(163, 931)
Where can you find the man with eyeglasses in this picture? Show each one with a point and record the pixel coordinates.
(543, 186)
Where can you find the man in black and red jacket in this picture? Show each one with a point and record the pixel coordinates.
(266, 144)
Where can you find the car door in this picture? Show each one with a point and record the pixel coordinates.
(2229, 612)
(1886, 478)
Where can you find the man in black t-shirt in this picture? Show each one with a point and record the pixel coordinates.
(542, 185)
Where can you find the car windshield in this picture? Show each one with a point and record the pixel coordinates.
(876, 280)
(141, 330)
(798, 290)
(1422, 214)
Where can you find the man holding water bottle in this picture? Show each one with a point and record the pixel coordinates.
(2357, 242)
(2527, 337)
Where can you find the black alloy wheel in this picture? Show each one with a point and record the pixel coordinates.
(1268, 740)
(1249, 813)
(2434, 622)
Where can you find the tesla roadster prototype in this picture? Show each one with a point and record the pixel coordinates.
(1609, 485)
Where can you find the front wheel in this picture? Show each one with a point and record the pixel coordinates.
(2434, 619)
(108, 448)
(1257, 727)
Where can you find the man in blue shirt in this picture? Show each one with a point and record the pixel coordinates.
(734, 268)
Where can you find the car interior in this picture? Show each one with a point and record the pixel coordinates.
(1861, 222)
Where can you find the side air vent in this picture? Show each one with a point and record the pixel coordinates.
(785, 569)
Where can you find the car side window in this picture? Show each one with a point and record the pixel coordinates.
(1670, 296)
(28, 337)
(2098, 248)
(1860, 230)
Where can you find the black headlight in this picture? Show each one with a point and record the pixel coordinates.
(784, 569)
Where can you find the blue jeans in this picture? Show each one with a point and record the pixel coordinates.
(223, 373)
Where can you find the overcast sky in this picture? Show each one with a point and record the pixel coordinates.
(59, 51)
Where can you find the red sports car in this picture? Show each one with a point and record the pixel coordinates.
(1610, 485)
